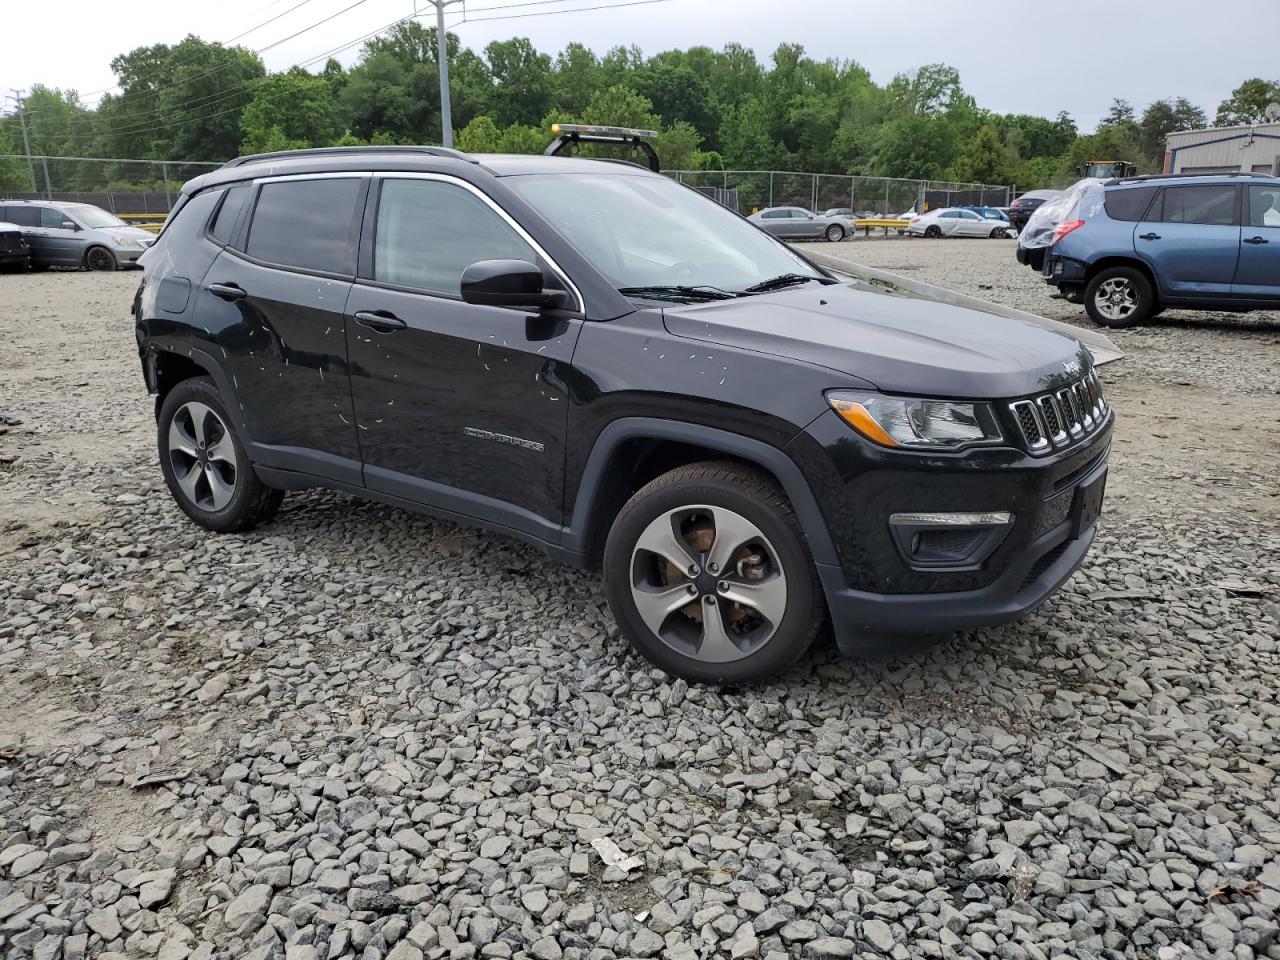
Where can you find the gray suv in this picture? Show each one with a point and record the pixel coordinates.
(75, 234)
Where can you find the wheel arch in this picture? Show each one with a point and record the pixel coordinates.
(633, 450)
(1133, 263)
(165, 369)
(84, 257)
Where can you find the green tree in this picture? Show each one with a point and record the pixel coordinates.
(294, 108)
(523, 89)
(1165, 117)
(181, 102)
(1248, 103)
(1120, 114)
(985, 159)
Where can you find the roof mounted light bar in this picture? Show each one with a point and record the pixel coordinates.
(570, 134)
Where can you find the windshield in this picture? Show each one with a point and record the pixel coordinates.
(649, 231)
(93, 217)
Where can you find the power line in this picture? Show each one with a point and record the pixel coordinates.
(467, 18)
(224, 43)
(257, 52)
(223, 96)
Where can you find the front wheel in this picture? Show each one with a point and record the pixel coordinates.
(933, 232)
(204, 463)
(100, 258)
(835, 233)
(998, 233)
(1119, 297)
(709, 577)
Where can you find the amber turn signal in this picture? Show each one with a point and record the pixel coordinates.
(856, 415)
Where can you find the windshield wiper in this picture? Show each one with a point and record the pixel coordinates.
(784, 280)
(678, 292)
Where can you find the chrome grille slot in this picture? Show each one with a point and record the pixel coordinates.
(1056, 420)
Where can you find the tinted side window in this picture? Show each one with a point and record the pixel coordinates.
(429, 232)
(224, 220)
(773, 215)
(1264, 206)
(1210, 204)
(306, 223)
(23, 216)
(52, 217)
(1129, 205)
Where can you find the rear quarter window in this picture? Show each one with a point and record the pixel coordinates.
(306, 224)
(1129, 205)
(224, 221)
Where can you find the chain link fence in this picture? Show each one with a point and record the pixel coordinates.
(120, 186)
(749, 190)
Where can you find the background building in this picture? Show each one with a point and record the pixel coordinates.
(1224, 150)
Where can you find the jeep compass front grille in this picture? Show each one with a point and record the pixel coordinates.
(1055, 420)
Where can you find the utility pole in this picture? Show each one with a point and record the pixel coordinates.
(26, 146)
(442, 57)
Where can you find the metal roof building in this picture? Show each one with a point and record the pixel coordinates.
(1224, 150)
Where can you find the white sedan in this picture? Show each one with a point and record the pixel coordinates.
(952, 222)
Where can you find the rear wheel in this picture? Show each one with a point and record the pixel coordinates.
(997, 233)
(204, 463)
(100, 258)
(933, 232)
(835, 232)
(1119, 297)
(709, 578)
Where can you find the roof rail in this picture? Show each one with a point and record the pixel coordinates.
(351, 151)
(1174, 176)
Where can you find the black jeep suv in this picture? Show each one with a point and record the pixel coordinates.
(603, 362)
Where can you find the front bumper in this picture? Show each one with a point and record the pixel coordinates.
(866, 623)
(877, 592)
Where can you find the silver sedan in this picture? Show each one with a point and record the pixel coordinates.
(951, 222)
(797, 223)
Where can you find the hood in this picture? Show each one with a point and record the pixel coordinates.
(901, 344)
(132, 232)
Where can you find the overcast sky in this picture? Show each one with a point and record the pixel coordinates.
(1037, 56)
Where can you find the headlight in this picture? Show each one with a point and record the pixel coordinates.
(918, 423)
(126, 241)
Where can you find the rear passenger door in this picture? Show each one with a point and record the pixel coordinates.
(1258, 272)
(1191, 239)
(272, 306)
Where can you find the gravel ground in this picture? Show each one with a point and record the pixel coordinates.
(357, 732)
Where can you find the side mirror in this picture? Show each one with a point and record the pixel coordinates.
(507, 283)
(69, 225)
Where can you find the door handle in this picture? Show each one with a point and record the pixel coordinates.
(382, 321)
(1256, 240)
(227, 291)
(1149, 236)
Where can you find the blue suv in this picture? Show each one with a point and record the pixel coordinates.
(1129, 248)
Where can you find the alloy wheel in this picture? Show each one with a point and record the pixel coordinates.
(1116, 299)
(203, 456)
(100, 258)
(708, 583)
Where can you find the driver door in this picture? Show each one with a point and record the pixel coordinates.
(61, 237)
(457, 405)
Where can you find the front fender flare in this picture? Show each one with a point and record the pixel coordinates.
(767, 457)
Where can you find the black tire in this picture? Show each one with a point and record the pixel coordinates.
(754, 497)
(100, 258)
(997, 233)
(933, 231)
(1137, 299)
(251, 501)
(835, 233)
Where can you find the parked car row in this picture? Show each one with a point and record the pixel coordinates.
(59, 234)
